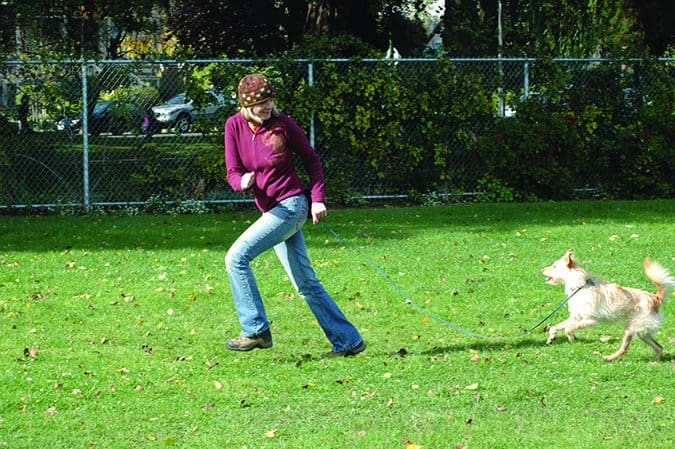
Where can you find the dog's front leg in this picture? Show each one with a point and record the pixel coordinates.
(555, 329)
(574, 324)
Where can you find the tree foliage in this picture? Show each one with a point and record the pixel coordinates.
(74, 28)
(215, 28)
(235, 29)
(557, 29)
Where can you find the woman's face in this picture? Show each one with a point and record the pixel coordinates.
(263, 110)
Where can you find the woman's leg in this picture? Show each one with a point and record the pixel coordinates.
(271, 228)
(340, 332)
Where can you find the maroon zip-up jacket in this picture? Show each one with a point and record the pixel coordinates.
(269, 153)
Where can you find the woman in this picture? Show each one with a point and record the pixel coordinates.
(259, 147)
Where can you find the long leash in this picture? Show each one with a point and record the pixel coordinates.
(410, 301)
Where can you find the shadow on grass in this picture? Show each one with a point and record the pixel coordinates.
(487, 345)
(584, 346)
(370, 226)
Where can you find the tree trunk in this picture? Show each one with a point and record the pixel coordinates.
(320, 17)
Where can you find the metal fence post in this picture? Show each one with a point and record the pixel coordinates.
(310, 79)
(526, 78)
(85, 137)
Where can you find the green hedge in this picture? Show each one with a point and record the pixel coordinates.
(607, 127)
(423, 131)
(611, 129)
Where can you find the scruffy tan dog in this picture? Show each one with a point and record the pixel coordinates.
(593, 302)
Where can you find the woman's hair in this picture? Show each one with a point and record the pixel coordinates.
(248, 115)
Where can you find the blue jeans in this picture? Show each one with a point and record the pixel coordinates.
(281, 228)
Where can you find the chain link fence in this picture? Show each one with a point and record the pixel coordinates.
(130, 133)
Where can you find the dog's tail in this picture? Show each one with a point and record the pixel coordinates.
(664, 281)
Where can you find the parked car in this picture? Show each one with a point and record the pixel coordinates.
(179, 112)
(114, 117)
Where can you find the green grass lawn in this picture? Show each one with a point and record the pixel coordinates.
(113, 331)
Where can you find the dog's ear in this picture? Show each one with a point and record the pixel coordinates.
(569, 260)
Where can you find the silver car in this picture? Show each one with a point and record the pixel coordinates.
(179, 113)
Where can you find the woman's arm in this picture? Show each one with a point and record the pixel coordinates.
(233, 164)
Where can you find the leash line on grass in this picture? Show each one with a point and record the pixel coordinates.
(421, 309)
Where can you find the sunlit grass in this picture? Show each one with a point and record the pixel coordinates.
(113, 333)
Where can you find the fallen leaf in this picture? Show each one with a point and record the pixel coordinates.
(271, 433)
(390, 402)
(408, 444)
(501, 408)
(658, 399)
(471, 387)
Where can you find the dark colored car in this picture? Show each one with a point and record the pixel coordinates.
(115, 117)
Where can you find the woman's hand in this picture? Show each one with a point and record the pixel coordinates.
(247, 181)
(319, 211)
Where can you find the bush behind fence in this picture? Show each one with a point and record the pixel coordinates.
(513, 128)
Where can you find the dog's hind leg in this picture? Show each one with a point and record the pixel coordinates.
(627, 337)
(658, 349)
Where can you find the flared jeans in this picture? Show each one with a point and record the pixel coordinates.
(281, 228)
